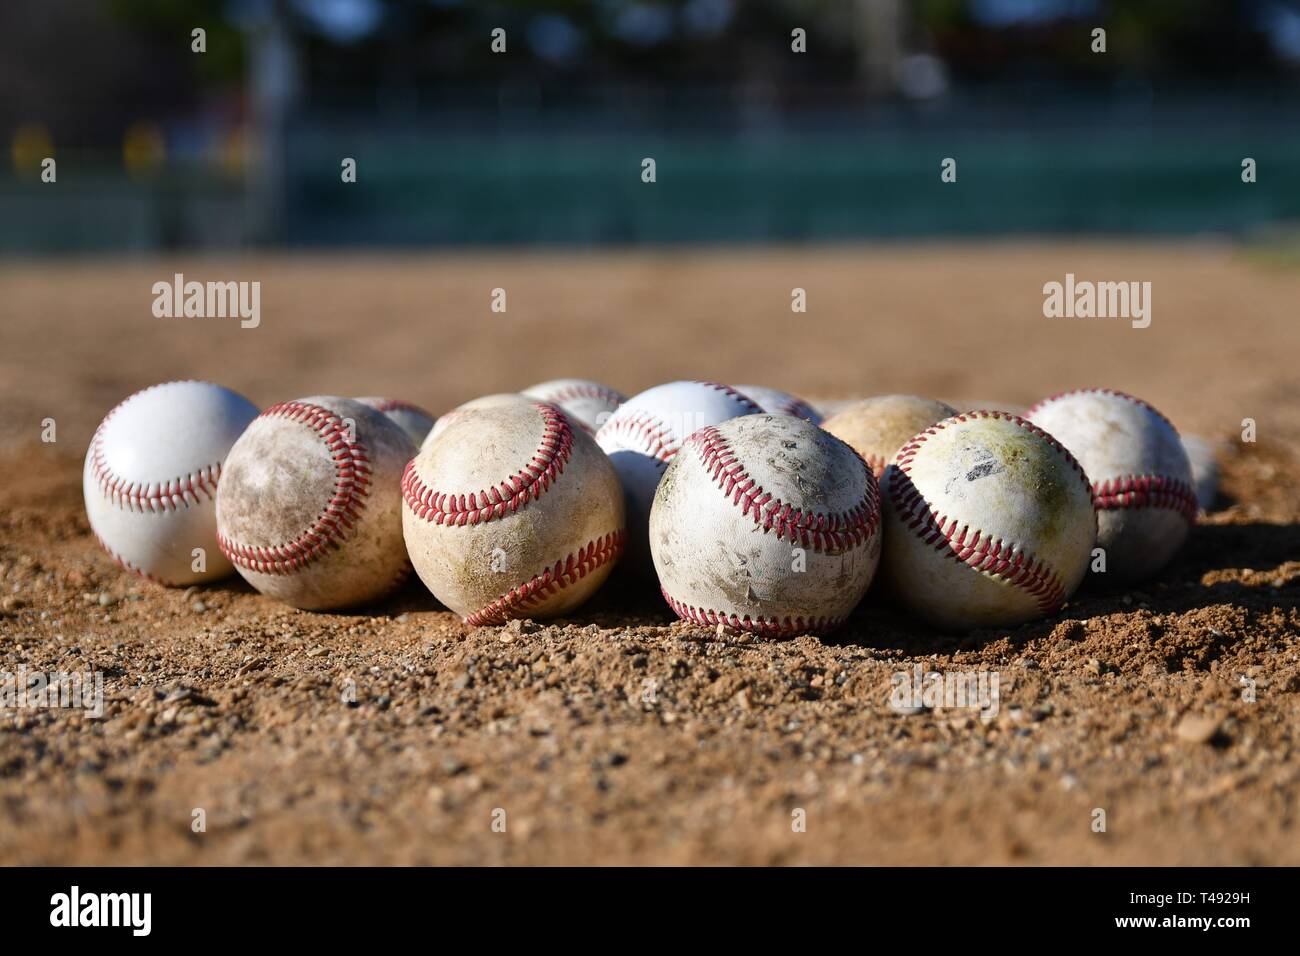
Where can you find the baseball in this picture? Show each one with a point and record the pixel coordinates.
(878, 427)
(412, 419)
(768, 524)
(151, 475)
(309, 508)
(775, 402)
(512, 512)
(988, 522)
(645, 433)
(1141, 478)
(588, 404)
(495, 400)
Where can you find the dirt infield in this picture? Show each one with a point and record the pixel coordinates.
(621, 736)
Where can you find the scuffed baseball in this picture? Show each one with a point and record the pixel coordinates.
(877, 427)
(644, 434)
(776, 402)
(410, 418)
(495, 400)
(766, 523)
(512, 512)
(588, 404)
(1141, 478)
(988, 522)
(151, 476)
(309, 508)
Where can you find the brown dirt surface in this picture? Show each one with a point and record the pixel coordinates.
(620, 736)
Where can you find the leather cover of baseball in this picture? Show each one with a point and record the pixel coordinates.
(474, 404)
(151, 476)
(309, 508)
(410, 418)
(988, 522)
(768, 524)
(776, 402)
(512, 512)
(1141, 476)
(645, 433)
(588, 404)
(878, 427)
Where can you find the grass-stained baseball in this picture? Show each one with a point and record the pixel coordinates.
(988, 521)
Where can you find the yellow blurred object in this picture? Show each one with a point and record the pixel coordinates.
(143, 149)
(31, 144)
(234, 151)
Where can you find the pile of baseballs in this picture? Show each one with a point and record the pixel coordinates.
(746, 507)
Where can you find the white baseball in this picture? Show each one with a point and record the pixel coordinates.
(768, 524)
(309, 508)
(776, 402)
(988, 522)
(1141, 478)
(495, 400)
(410, 418)
(645, 433)
(587, 403)
(878, 427)
(512, 512)
(151, 476)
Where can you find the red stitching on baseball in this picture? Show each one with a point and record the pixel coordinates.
(829, 533)
(398, 404)
(798, 408)
(170, 495)
(342, 511)
(124, 563)
(554, 579)
(507, 496)
(767, 627)
(1146, 491)
(648, 433)
(599, 392)
(973, 547)
(877, 463)
(652, 436)
(1102, 391)
(1135, 491)
(905, 454)
(739, 396)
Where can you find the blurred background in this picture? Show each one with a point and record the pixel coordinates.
(161, 148)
